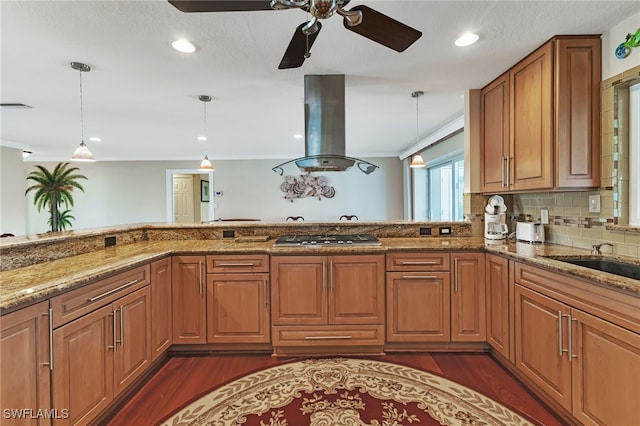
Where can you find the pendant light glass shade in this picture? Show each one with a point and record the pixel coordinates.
(417, 161)
(82, 153)
(206, 164)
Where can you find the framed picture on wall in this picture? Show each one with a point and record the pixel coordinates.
(204, 191)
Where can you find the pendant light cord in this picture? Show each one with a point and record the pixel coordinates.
(417, 116)
(205, 119)
(81, 112)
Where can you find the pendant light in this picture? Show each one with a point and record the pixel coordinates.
(82, 153)
(205, 165)
(417, 160)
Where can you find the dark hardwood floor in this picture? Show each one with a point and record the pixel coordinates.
(183, 378)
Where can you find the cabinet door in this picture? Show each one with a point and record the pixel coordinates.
(356, 289)
(418, 306)
(577, 124)
(498, 306)
(188, 299)
(531, 120)
(160, 307)
(24, 352)
(133, 322)
(606, 372)
(494, 136)
(238, 308)
(83, 366)
(299, 290)
(541, 342)
(468, 322)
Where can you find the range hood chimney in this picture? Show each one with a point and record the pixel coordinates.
(324, 122)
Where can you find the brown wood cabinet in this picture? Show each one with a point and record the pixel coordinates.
(468, 318)
(552, 121)
(494, 116)
(189, 313)
(25, 354)
(588, 365)
(429, 300)
(418, 297)
(238, 299)
(327, 300)
(160, 307)
(498, 306)
(100, 354)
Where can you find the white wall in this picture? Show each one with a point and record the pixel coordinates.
(12, 187)
(611, 39)
(118, 193)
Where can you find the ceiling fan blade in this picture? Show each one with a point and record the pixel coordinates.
(382, 29)
(298, 46)
(220, 5)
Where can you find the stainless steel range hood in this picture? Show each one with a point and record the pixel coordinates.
(324, 120)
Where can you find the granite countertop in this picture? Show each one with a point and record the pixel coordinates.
(29, 284)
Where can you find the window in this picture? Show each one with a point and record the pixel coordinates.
(634, 154)
(438, 191)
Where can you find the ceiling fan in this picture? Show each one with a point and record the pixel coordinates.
(362, 20)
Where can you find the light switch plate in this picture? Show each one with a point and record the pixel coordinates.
(544, 216)
(594, 203)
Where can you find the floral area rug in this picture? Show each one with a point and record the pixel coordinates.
(338, 391)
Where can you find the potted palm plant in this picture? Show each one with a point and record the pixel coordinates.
(53, 190)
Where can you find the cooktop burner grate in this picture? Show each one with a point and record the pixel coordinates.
(326, 240)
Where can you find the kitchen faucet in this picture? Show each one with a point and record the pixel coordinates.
(595, 249)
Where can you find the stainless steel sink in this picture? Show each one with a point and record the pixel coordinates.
(611, 266)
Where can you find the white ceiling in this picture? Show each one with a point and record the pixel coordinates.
(141, 96)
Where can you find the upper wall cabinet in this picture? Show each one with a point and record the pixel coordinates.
(540, 121)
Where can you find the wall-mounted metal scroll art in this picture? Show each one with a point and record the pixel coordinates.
(306, 186)
(624, 49)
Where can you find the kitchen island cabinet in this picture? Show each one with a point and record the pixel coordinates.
(189, 313)
(428, 300)
(552, 121)
(468, 318)
(160, 307)
(25, 354)
(327, 302)
(418, 297)
(99, 354)
(238, 299)
(588, 365)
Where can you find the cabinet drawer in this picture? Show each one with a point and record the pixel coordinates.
(76, 303)
(328, 336)
(418, 261)
(230, 263)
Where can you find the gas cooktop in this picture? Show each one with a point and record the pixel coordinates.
(326, 240)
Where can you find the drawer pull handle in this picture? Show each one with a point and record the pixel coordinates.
(419, 262)
(227, 265)
(419, 277)
(326, 337)
(115, 290)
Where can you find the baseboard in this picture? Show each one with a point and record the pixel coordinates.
(539, 394)
(103, 418)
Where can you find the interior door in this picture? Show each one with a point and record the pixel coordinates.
(183, 199)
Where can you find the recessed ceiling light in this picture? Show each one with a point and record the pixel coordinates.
(184, 46)
(466, 39)
(25, 154)
(95, 139)
(202, 138)
(297, 136)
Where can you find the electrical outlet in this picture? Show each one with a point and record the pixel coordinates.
(544, 216)
(594, 203)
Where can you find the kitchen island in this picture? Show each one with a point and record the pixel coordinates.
(165, 288)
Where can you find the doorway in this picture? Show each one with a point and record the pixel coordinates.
(189, 196)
